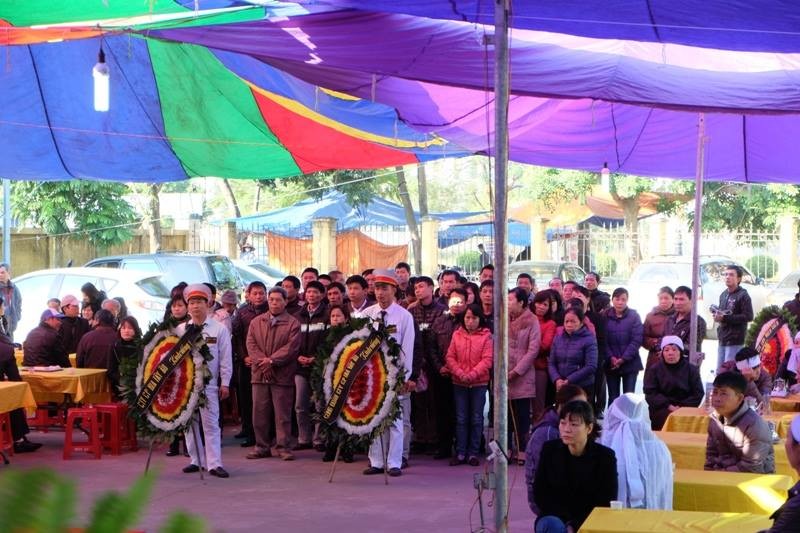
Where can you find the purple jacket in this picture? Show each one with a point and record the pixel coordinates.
(623, 339)
(574, 357)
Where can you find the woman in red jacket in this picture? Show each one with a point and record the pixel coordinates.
(469, 359)
(547, 327)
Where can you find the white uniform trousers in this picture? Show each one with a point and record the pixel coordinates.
(210, 455)
(391, 440)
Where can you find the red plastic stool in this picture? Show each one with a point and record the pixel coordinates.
(91, 423)
(43, 421)
(118, 430)
(6, 439)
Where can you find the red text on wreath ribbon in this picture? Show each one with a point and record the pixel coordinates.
(334, 406)
(167, 365)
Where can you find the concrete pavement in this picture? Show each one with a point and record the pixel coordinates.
(273, 495)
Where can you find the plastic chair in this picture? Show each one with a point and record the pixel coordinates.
(6, 439)
(91, 424)
(118, 430)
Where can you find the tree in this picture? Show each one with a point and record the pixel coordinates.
(411, 221)
(92, 210)
(738, 206)
(625, 190)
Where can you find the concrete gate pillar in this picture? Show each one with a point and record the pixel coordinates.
(788, 246)
(323, 244)
(430, 246)
(539, 250)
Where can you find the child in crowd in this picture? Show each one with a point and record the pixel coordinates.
(469, 359)
(739, 440)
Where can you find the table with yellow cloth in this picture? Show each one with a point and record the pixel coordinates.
(789, 403)
(14, 395)
(605, 520)
(82, 385)
(695, 420)
(20, 355)
(689, 451)
(729, 492)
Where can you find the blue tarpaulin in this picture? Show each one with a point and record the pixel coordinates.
(295, 221)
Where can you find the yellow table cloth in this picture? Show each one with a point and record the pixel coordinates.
(790, 403)
(87, 385)
(695, 420)
(16, 394)
(729, 492)
(689, 451)
(605, 520)
(19, 356)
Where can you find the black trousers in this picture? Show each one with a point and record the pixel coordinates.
(246, 401)
(445, 411)
(19, 425)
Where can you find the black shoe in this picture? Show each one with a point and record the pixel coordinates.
(404, 464)
(474, 461)
(329, 456)
(302, 446)
(241, 435)
(455, 461)
(247, 443)
(190, 469)
(26, 446)
(219, 472)
(371, 471)
(395, 472)
(347, 458)
(174, 449)
(319, 447)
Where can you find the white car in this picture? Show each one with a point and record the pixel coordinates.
(673, 271)
(785, 290)
(145, 295)
(251, 271)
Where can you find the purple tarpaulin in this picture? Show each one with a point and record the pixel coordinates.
(435, 73)
(722, 24)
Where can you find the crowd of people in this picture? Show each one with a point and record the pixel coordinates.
(573, 359)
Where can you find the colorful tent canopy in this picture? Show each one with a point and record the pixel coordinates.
(182, 110)
(576, 102)
(295, 221)
(622, 84)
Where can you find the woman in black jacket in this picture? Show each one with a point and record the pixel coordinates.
(575, 474)
(671, 382)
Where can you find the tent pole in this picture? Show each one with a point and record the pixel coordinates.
(7, 221)
(500, 304)
(698, 223)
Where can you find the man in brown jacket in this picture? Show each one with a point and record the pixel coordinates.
(273, 344)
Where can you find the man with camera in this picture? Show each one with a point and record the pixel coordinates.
(734, 312)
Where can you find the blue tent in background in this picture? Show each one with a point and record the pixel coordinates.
(295, 221)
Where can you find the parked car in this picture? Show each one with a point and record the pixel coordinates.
(544, 271)
(672, 271)
(145, 294)
(251, 271)
(192, 267)
(785, 290)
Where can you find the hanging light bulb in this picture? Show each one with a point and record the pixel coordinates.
(100, 73)
(605, 172)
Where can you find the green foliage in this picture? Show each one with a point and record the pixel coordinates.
(629, 186)
(469, 261)
(606, 265)
(763, 266)
(551, 186)
(36, 500)
(737, 206)
(358, 186)
(42, 501)
(92, 210)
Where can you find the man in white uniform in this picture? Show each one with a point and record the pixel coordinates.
(218, 340)
(393, 314)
